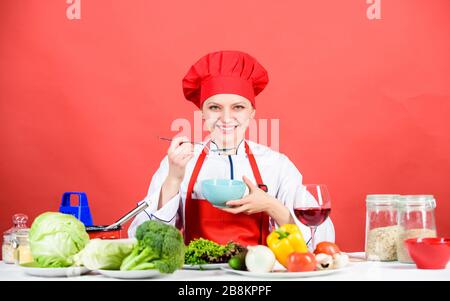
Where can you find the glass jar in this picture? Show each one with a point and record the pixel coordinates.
(21, 245)
(7, 248)
(416, 220)
(381, 227)
(19, 222)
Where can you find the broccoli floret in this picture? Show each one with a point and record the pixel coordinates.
(159, 246)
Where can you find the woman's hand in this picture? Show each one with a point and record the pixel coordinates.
(256, 201)
(259, 201)
(179, 154)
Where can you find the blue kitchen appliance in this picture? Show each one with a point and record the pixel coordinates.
(81, 212)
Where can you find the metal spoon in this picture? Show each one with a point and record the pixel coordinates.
(168, 139)
(193, 142)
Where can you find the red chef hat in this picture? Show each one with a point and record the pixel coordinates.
(224, 72)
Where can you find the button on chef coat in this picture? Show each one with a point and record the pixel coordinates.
(282, 178)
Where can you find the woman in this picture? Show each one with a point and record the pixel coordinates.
(224, 85)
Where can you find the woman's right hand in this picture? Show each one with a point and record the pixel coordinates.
(181, 150)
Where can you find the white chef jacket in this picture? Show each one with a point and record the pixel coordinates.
(283, 180)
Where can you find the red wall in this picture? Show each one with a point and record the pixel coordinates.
(363, 104)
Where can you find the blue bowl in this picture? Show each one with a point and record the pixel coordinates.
(220, 191)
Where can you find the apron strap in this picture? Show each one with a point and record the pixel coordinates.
(255, 169)
(266, 225)
(195, 172)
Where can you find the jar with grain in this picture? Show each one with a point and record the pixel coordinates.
(21, 245)
(381, 227)
(8, 252)
(416, 220)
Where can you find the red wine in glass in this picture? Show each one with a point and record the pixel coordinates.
(312, 217)
(312, 207)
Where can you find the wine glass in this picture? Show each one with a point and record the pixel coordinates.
(312, 207)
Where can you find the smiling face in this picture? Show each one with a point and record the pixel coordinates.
(227, 117)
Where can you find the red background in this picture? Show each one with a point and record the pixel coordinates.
(363, 104)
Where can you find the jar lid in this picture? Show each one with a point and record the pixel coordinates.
(417, 200)
(382, 199)
(20, 220)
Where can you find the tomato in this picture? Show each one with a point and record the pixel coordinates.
(301, 262)
(327, 247)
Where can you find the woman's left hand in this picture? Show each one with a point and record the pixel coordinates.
(256, 201)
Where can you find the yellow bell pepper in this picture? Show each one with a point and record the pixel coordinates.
(285, 240)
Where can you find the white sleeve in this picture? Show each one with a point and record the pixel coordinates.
(166, 214)
(290, 193)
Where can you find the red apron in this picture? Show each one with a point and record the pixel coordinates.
(203, 220)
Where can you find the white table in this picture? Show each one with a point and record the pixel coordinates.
(356, 271)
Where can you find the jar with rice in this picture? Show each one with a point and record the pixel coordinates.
(9, 252)
(382, 228)
(416, 219)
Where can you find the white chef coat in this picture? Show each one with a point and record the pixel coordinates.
(283, 180)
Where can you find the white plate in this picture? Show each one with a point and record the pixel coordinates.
(206, 266)
(33, 270)
(138, 274)
(282, 273)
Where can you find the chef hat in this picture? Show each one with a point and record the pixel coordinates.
(224, 72)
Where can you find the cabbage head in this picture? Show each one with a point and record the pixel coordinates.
(55, 238)
(105, 254)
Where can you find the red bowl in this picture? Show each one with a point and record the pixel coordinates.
(429, 253)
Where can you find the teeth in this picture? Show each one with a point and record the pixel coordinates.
(228, 127)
